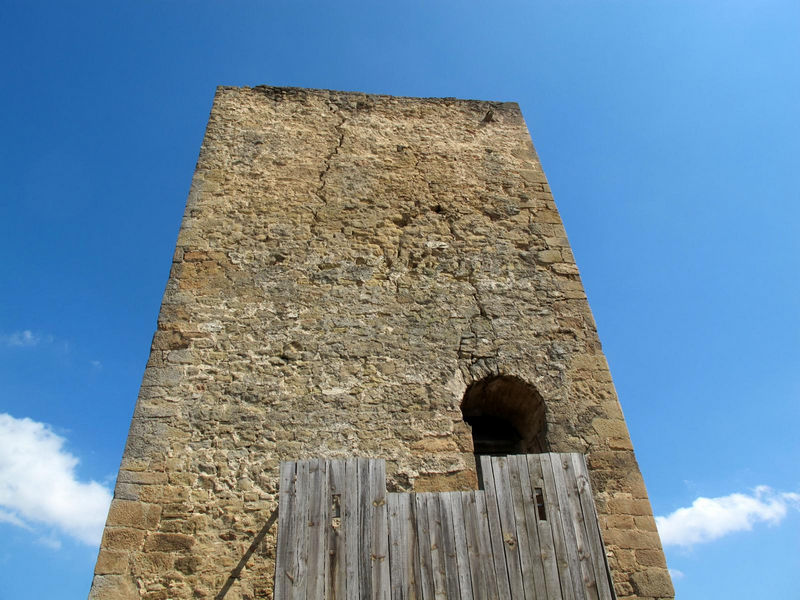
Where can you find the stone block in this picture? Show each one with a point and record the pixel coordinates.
(611, 428)
(435, 445)
(632, 539)
(168, 542)
(111, 561)
(122, 538)
(446, 482)
(651, 558)
(548, 256)
(139, 515)
(113, 587)
(154, 563)
(646, 523)
(629, 506)
(654, 583)
(126, 491)
(142, 477)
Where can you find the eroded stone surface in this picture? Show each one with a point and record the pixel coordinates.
(347, 265)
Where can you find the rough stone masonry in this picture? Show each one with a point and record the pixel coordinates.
(347, 267)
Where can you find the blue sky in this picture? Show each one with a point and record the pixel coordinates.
(670, 132)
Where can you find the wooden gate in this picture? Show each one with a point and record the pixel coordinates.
(531, 533)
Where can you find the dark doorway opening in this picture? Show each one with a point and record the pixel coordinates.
(506, 416)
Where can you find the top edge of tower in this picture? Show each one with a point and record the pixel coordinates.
(288, 93)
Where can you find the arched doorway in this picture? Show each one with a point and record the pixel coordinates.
(506, 415)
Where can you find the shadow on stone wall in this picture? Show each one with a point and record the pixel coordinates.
(256, 541)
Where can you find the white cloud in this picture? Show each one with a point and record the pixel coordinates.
(20, 339)
(50, 541)
(7, 517)
(676, 574)
(708, 519)
(38, 483)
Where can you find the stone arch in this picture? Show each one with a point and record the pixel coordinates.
(506, 415)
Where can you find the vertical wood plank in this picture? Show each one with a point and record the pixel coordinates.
(554, 523)
(449, 546)
(398, 549)
(570, 485)
(495, 529)
(300, 570)
(527, 535)
(317, 528)
(544, 570)
(495, 582)
(413, 545)
(350, 524)
(335, 573)
(511, 480)
(461, 546)
(550, 560)
(508, 525)
(423, 541)
(574, 554)
(435, 542)
(379, 547)
(364, 529)
(605, 586)
(286, 507)
(567, 568)
(477, 576)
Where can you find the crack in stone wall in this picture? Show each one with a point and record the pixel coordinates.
(328, 160)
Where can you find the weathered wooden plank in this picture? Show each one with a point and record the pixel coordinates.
(405, 552)
(365, 529)
(435, 541)
(379, 546)
(461, 546)
(514, 492)
(350, 524)
(336, 563)
(317, 528)
(605, 586)
(448, 546)
(544, 569)
(508, 527)
(494, 581)
(546, 542)
(575, 512)
(495, 530)
(414, 548)
(286, 508)
(554, 519)
(426, 584)
(398, 549)
(300, 570)
(559, 493)
(478, 579)
(527, 530)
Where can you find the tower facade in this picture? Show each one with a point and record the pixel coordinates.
(360, 276)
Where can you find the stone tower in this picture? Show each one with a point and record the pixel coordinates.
(360, 275)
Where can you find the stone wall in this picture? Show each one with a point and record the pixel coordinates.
(347, 266)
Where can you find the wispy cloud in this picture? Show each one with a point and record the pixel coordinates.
(676, 574)
(708, 519)
(22, 339)
(38, 484)
(50, 541)
(7, 517)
